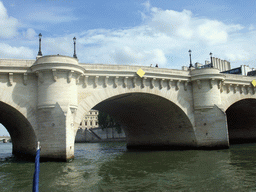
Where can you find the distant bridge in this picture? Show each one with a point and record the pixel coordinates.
(5, 138)
(46, 99)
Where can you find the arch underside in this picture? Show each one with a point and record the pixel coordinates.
(22, 134)
(241, 118)
(150, 121)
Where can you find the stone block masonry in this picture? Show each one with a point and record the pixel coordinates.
(46, 99)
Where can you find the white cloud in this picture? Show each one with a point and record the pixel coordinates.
(212, 32)
(128, 46)
(240, 48)
(164, 38)
(184, 25)
(29, 34)
(128, 55)
(251, 27)
(8, 25)
(60, 45)
(171, 22)
(146, 5)
(51, 15)
(7, 51)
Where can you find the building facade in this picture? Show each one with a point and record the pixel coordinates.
(90, 120)
(217, 63)
(224, 67)
(90, 131)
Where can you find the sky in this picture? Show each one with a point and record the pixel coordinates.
(132, 32)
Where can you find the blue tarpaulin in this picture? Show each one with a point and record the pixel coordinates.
(37, 170)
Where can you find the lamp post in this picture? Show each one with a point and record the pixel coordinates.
(211, 60)
(74, 39)
(190, 65)
(39, 52)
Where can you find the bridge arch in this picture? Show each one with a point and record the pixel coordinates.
(147, 118)
(241, 120)
(229, 99)
(20, 129)
(88, 99)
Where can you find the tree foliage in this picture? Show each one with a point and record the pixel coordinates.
(107, 121)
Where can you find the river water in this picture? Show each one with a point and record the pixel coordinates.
(111, 167)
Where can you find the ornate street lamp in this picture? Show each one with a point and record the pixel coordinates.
(39, 52)
(74, 39)
(211, 60)
(190, 65)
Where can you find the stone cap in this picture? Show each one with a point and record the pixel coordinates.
(57, 62)
(56, 59)
(206, 73)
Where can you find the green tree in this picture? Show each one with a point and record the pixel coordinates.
(107, 121)
(103, 120)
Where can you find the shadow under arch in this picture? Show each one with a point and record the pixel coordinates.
(150, 121)
(241, 119)
(21, 132)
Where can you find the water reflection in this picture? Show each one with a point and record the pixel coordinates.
(180, 170)
(163, 170)
(110, 167)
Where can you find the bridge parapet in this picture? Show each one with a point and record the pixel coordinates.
(117, 73)
(15, 66)
(239, 83)
(107, 67)
(16, 62)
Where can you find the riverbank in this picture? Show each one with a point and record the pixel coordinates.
(95, 135)
(105, 140)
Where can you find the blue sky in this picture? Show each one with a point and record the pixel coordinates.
(133, 32)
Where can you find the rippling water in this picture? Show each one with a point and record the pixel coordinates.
(110, 167)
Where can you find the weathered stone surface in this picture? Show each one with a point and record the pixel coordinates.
(46, 99)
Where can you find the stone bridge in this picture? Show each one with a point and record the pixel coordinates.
(5, 138)
(46, 99)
